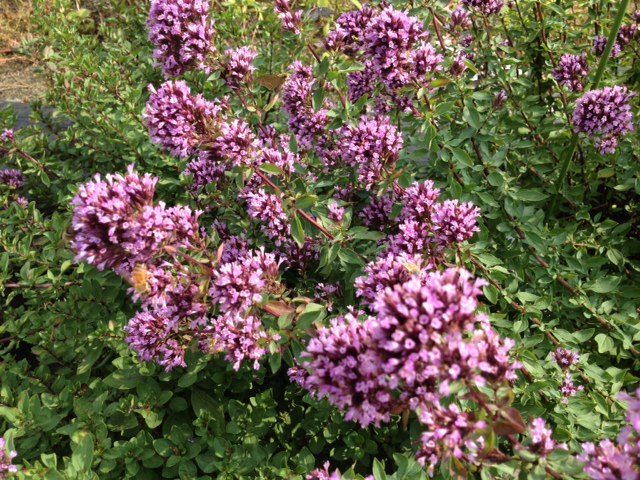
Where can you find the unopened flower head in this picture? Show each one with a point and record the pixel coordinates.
(460, 20)
(182, 35)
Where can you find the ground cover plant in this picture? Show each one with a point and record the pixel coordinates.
(324, 240)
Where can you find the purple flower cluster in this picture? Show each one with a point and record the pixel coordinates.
(291, 21)
(205, 169)
(12, 177)
(336, 212)
(295, 257)
(372, 146)
(608, 461)
(326, 292)
(267, 208)
(238, 67)
(428, 225)
(308, 125)
(600, 44)
(238, 285)
(388, 270)
(117, 226)
(500, 99)
(451, 433)
(486, 7)
(241, 338)
(568, 389)
(542, 442)
(627, 34)
(324, 474)
(392, 48)
(460, 20)
(572, 71)
(377, 213)
(605, 115)
(181, 34)
(8, 135)
(179, 121)
(235, 143)
(565, 358)
(424, 335)
(5, 460)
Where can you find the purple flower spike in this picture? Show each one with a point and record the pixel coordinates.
(572, 71)
(181, 34)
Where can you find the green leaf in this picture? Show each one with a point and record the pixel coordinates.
(530, 195)
(605, 343)
(378, 470)
(82, 456)
(604, 284)
(297, 232)
(312, 313)
(272, 169)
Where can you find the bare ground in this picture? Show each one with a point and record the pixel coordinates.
(19, 77)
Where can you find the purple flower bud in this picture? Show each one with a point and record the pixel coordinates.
(600, 43)
(12, 177)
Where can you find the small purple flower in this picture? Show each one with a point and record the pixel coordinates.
(336, 212)
(386, 271)
(295, 257)
(22, 202)
(324, 474)
(6, 457)
(568, 389)
(454, 222)
(636, 16)
(486, 7)
(605, 116)
(152, 335)
(541, 440)
(179, 121)
(460, 20)
(204, 170)
(240, 338)
(600, 43)
(291, 21)
(181, 34)
(117, 226)
(627, 34)
(238, 285)
(572, 71)
(235, 143)
(419, 201)
(500, 99)
(267, 208)
(12, 177)
(377, 213)
(350, 29)
(8, 135)
(371, 146)
(458, 65)
(238, 66)
(325, 292)
(565, 358)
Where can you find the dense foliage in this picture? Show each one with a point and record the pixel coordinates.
(272, 240)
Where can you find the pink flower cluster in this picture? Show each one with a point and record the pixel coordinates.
(179, 121)
(181, 34)
(424, 336)
(237, 67)
(116, 225)
(291, 21)
(608, 461)
(390, 44)
(428, 225)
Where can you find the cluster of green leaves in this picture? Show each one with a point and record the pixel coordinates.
(76, 403)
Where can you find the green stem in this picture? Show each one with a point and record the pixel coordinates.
(613, 35)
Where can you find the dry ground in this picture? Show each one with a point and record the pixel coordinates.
(19, 77)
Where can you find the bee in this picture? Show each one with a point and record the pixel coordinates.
(412, 268)
(139, 278)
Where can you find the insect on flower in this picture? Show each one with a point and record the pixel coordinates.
(139, 277)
